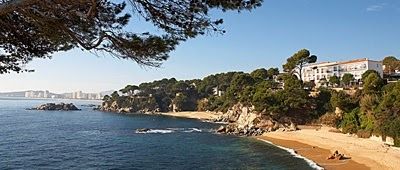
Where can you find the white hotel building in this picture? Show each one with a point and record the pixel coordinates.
(317, 71)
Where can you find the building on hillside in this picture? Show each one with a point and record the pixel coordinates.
(218, 92)
(318, 72)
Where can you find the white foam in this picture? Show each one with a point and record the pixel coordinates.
(193, 130)
(157, 131)
(209, 121)
(292, 152)
(171, 130)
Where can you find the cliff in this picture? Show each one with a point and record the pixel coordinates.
(244, 120)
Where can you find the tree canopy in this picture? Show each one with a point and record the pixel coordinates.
(391, 64)
(38, 28)
(295, 63)
(347, 78)
(334, 80)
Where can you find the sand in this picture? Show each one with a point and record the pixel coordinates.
(208, 116)
(364, 153)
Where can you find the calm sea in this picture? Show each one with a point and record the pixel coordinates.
(90, 139)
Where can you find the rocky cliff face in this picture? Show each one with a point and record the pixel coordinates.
(243, 120)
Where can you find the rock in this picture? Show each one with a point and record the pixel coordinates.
(292, 127)
(53, 106)
(125, 110)
(336, 155)
(221, 129)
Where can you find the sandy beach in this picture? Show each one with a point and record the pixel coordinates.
(193, 115)
(317, 145)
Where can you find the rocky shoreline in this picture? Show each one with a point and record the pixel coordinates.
(240, 120)
(244, 121)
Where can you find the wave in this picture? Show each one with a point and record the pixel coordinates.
(156, 131)
(293, 152)
(169, 130)
(193, 130)
(209, 121)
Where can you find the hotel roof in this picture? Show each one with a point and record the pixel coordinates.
(341, 62)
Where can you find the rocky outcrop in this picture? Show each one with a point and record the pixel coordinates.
(53, 106)
(244, 121)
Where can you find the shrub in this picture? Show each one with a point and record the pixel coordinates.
(350, 122)
(364, 133)
(329, 119)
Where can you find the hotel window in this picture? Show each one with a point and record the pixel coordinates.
(317, 77)
(322, 70)
(317, 70)
(334, 68)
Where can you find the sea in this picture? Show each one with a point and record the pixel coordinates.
(89, 139)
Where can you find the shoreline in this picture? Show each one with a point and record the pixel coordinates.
(313, 155)
(317, 145)
(205, 116)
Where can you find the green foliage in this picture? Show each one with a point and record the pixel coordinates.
(350, 122)
(388, 110)
(375, 109)
(347, 79)
(391, 64)
(394, 130)
(114, 95)
(309, 85)
(240, 88)
(367, 73)
(272, 72)
(260, 74)
(373, 83)
(322, 102)
(184, 103)
(334, 81)
(106, 98)
(37, 29)
(295, 63)
(343, 101)
(129, 90)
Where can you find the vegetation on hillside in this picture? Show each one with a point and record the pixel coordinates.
(284, 97)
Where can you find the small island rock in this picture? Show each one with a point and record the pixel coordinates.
(53, 106)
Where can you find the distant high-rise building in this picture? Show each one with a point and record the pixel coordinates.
(46, 94)
(29, 94)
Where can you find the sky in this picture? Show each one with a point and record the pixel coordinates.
(334, 30)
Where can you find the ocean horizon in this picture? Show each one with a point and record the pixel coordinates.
(89, 139)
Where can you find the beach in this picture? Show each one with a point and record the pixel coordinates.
(207, 116)
(317, 145)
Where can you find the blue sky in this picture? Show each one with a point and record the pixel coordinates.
(331, 29)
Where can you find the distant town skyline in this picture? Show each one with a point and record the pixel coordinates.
(43, 94)
(333, 30)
